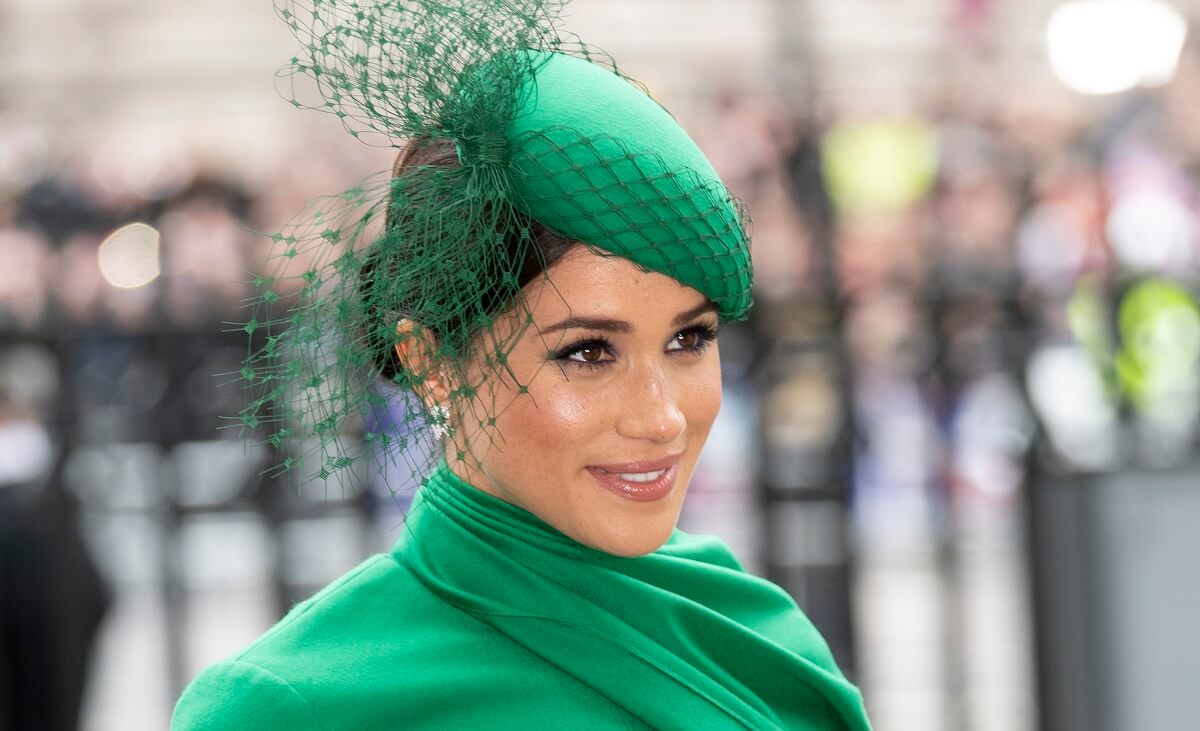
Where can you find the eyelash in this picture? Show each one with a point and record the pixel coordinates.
(707, 334)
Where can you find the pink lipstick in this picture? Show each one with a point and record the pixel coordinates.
(642, 481)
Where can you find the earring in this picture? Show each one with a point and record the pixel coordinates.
(439, 423)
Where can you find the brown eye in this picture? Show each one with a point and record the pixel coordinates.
(693, 339)
(688, 339)
(587, 353)
(591, 355)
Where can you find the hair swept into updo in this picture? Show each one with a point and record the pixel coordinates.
(441, 152)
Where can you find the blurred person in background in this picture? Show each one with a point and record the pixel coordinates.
(52, 597)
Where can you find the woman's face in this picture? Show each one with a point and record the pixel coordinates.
(623, 383)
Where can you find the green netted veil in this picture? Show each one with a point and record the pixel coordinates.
(546, 130)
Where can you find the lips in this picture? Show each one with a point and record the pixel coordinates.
(642, 481)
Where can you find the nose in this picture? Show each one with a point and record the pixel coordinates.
(651, 411)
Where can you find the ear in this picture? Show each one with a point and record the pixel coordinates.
(415, 349)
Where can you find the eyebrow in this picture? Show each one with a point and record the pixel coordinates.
(621, 326)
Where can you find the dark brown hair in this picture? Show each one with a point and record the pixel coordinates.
(548, 246)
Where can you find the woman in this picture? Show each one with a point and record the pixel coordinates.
(556, 259)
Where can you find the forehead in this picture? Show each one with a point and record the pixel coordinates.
(597, 284)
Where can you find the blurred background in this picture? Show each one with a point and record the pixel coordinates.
(961, 426)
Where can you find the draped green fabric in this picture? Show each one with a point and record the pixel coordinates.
(483, 616)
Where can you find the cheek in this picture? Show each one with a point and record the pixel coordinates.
(703, 398)
(555, 420)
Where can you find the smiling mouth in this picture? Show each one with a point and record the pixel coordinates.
(640, 476)
(638, 486)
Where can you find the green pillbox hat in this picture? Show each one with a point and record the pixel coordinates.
(596, 159)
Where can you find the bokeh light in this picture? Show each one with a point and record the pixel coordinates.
(129, 257)
(1109, 46)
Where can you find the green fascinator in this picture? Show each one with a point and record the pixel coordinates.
(549, 136)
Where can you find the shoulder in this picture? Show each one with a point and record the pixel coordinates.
(373, 646)
(376, 646)
(239, 695)
(379, 611)
(314, 653)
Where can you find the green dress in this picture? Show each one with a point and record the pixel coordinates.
(484, 617)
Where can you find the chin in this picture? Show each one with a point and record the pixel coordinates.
(620, 527)
(648, 538)
(634, 552)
